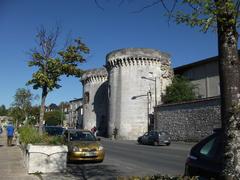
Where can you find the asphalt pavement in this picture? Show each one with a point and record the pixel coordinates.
(126, 158)
(115, 165)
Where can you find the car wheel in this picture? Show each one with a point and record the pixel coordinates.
(168, 144)
(155, 143)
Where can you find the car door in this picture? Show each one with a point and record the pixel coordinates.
(145, 138)
(161, 137)
(152, 137)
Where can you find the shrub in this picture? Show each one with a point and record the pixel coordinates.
(30, 135)
(53, 118)
(180, 90)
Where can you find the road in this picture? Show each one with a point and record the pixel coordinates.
(127, 158)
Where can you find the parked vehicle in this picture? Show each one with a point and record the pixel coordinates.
(205, 158)
(53, 130)
(155, 138)
(83, 146)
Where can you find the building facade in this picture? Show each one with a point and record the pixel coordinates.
(204, 75)
(75, 113)
(95, 100)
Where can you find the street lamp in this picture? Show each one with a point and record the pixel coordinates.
(155, 87)
(148, 106)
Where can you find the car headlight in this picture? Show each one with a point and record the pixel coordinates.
(100, 148)
(75, 148)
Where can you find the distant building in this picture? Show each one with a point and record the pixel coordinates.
(204, 74)
(51, 107)
(75, 113)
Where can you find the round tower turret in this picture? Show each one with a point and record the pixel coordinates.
(95, 100)
(136, 83)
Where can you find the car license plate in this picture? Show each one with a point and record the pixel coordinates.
(88, 154)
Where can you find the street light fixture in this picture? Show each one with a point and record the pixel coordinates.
(155, 87)
(148, 106)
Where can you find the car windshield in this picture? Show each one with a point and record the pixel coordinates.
(54, 131)
(82, 136)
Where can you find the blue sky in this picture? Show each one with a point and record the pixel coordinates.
(103, 31)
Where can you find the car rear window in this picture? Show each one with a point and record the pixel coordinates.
(82, 136)
(209, 149)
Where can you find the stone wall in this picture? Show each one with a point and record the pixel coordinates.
(189, 121)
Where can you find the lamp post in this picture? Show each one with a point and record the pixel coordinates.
(155, 87)
(149, 94)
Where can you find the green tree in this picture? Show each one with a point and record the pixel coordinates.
(34, 115)
(180, 90)
(3, 110)
(17, 114)
(53, 118)
(51, 67)
(221, 16)
(22, 102)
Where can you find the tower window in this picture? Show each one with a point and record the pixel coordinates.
(86, 97)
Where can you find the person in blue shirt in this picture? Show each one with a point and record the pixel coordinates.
(10, 133)
(1, 130)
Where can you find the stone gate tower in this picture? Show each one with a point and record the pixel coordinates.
(95, 100)
(137, 78)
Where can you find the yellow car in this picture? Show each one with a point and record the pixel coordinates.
(83, 146)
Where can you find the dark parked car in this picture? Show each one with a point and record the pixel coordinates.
(205, 158)
(155, 138)
(54, 130)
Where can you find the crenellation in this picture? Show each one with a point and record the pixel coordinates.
(131, 61)
(95, 79)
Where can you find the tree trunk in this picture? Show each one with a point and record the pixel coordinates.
(16, 124)
(229, 70)
(42, 109)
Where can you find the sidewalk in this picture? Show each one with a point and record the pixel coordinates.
(11, 162)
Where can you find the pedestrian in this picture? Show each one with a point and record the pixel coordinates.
(1, 130)
(10, 133)
(94, 129)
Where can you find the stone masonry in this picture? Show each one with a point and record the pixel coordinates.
(189, 121)
(95, 100)
(132, 97)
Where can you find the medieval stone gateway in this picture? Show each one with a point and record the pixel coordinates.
(135, 80)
